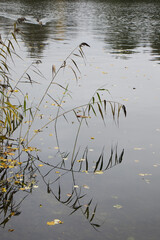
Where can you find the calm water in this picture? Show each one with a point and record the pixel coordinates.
(124, 56)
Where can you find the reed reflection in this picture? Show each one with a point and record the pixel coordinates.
(25, 177)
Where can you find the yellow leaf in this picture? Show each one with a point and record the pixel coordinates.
(22, 189)
(10, 230)
(81, 160)
(16, 182)
(54, 222)
(19, 163)
(3, 190)
(69, 195)
(76, 186)
(125, 99)
(51, 134)
(138, 148)
(40, 165)
(92, 138)
(57, 172)
(86, 186)
(98, 172)
(56, 147)
(117, 206)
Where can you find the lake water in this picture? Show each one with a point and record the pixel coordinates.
(123, 57)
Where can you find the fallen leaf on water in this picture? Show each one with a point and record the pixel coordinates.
(86, 186)
(136, 148)
(104, 72)
(85, 171)
(155, 165)
(37, 130)
(69, 195)
(81, 116)
(117, 206)
(51, 134)
(76, 186)
(81, 160)
(125, 99)
(92, 138)
(40, 165)
(144, 174)
(54, 222)
(57, 172)
(10, 230)
(3, 190)
(56, 147)
(98, 172)
(91, 150)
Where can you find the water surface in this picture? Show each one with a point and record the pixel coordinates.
(124, 57)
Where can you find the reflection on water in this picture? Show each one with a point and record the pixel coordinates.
(25, 176)
(119, 24)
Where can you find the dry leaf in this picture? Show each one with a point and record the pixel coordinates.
(54, 222)
(56, 147)
(98, 172)
(86, 186)
(117, 206)
(138, 148)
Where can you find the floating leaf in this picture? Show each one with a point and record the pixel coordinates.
(98, 172)
(137, 148)
(117, 206)
(86, 186)
(56, 147)
(69, 195)
(91, 150)
(144, 174)
(54, 222)
(10, 230)
(3, 190)
(81, 160)
(40, 165)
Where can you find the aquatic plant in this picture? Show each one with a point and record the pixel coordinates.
(14, 112)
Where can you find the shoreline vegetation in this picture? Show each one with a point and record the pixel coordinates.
(16, 140)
